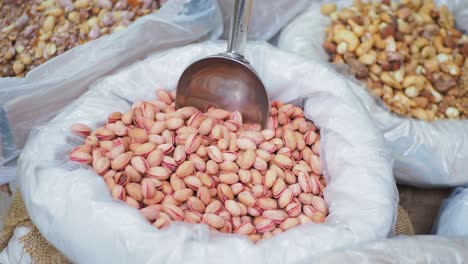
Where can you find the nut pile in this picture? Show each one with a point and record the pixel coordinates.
(32, 32)
(211, 168)
(408, 53)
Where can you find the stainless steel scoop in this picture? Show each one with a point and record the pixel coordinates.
(227, 80)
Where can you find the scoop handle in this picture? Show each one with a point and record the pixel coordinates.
(239, 27)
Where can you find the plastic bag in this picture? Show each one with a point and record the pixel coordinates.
(426, 154)
(453, 215)
(268, 17)
(30, 101)
(72, 208)
(410, 249)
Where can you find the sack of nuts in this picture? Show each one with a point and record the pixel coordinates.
(406, 61)
(121, 175)
(53, 80)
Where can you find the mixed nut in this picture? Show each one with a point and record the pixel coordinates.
(210, 168)
(409, 53)
(32, 32)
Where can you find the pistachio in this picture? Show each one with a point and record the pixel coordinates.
(81, 130)
(233, 207)
(293, 209)
(277, 216)
(183, 195)
(185, 169)
(134, 191)
(158, 172)
(265, 225)
(192, 143)
(81, 157)
(246, 159)
(214, 207)
(148, 188)
(245, 229)
(193, 217)
(214, 221)
(215, 154)
(267, 203)
(228, 178)
(173, 211)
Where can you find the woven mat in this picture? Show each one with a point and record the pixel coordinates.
(42, 252)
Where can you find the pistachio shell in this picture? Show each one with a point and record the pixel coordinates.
(293, 209)
(228, 178)
(265, 225)
(148, 188)
(159, 172)
(196, 204)
(245, 144)
(134, 191)
(247, 198)
(214, 207)
(224, 192)
(174, 212)
(289, 223)
(245, 229)
(121, 161)
(185, 169)
(81, 129)
(214, 221)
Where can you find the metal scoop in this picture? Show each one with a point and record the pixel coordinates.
(227, 80)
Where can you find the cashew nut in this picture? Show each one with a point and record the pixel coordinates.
(428, 52)
(357, 29)
(364, 47)
(390, 81)
(439, 45)
(414, 80)
(347, 36)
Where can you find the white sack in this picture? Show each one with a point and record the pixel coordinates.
(268, 17)
(402, 249)
(426, 154)
(73, 209)
(453, 215)
(35, 99)
(14, 252)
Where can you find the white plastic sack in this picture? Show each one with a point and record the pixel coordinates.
(268, 17)
(402, 249)
(453, 215)
(73, 209)
(26, 102)
(14, 252)
(426, 154)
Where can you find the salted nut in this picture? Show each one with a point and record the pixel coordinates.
(211, 168)
(408, 54)
(32, 32)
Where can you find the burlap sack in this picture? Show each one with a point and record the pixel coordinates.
(404, 226)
